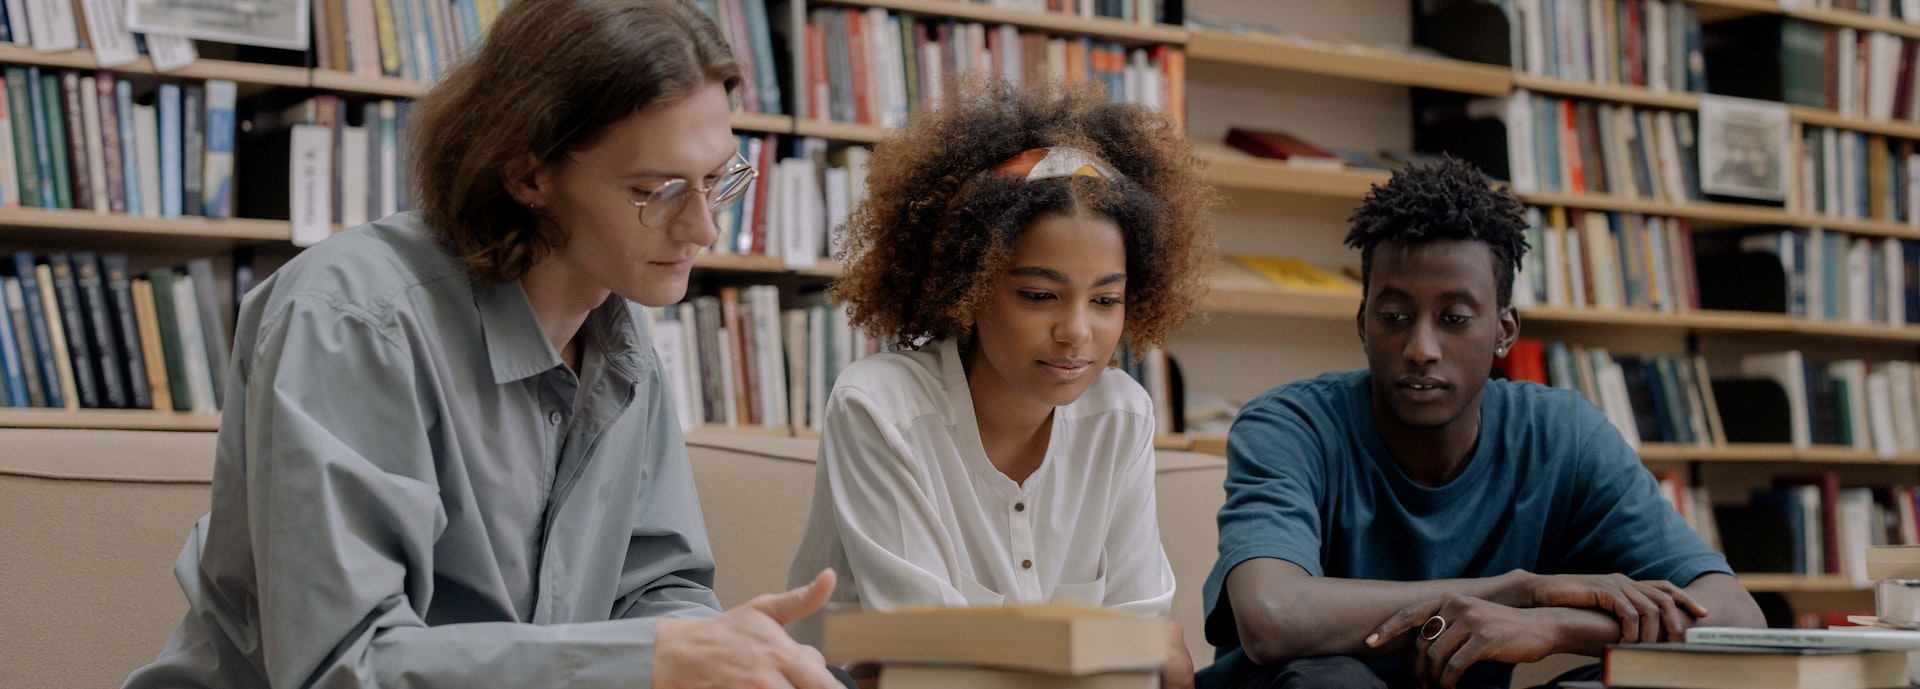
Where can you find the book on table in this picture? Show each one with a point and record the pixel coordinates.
(1054, 638)
(1715, 666)
(967, 677)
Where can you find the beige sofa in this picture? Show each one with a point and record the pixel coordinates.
(91, 521)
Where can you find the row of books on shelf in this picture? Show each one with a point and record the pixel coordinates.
(1830, 275)
(78, 140)
(1137, 11)
(1853, 175)
(740, 358)
(322, 160)
(1647, 398)
(82, 332)
(1575, 146)
(876, 67)
(100, 25)
(412, 39)
(1804, 524)
(805, 187)
(1649, 43)
(1853, 403)
(748, 31)
(1607, 260)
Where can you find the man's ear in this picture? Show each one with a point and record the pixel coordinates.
(527, 181)
(1360, 321)
(1509, 328)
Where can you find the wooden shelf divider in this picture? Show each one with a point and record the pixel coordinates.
(108, 419)
(1353, 62)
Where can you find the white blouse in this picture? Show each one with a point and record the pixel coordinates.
(908, 510)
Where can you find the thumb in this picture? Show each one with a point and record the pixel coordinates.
(785, 608)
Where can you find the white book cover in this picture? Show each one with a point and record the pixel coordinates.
(129, 147)
(1812, 523)
(311, 179)
(1906, 415)
(690, 376)
(1576, 269)
(1859, 280)
(793, 329)
(1886, 442)
(93, 144)
(1789, 370)
(668, 345)
(1613, 388)
(1556, 265)
(1893, 282)
(52, 25)
(1521, 151)
(1600, 255)
(9, 180)
(1847, 42)
(216, 193)
(1884, 51)
(146, 132)
(818, 381)
(1656, 46)
(363, 47)
(170, 52)
(1857, 527)
(17, 23)
(112, 43)
(354, 149)
(729, 398)
(199, 372)
(1535, 35)
(769, 348)
(799, 204)
(1873, 639)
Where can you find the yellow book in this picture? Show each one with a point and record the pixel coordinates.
(1056, 638)
(1297, 275)
(56, 332)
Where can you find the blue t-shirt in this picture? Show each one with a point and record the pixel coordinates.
(1552, 488)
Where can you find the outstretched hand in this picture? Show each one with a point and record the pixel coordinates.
(747, 646)
(1467, 631)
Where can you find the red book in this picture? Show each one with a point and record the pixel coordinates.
(858, 63)
(1527, 360)
(1278, 145)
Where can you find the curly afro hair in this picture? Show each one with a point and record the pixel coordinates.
(1449, 199)
(926, 247)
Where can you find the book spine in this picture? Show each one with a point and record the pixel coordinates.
(21, 120)
(172, 351)
(102, 342)
(132, 359)
(148, 320)
(111, 146)
(193, 147)
(79, 176)
(93, 144)
(42, 139)
(129, 187)
(217, 188)
(36, 308)
(213, 322)
(56, 331)
(10, 361)
(23, 336)
(171, 204)
(66, 299)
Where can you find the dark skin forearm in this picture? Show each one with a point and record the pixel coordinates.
(1588, 632)
(1283, 613)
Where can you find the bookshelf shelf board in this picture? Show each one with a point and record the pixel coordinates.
(1235, 288)
(1796, 583)
(1233, 169)
(742, 429)
(232, 230)
(1721, 213)
(761, 122)
(1769, 452)
(392, 87)
(761, 264)
(246, 73)
(1715, 10)
(1172, 442)
(1102, 28)
(1828, 118)
(112, 419)
(1367, 64)
(840, 131)
(1609, 92)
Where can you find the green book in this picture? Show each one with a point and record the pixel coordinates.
(20, 116)
(169, 322)
(50, 100)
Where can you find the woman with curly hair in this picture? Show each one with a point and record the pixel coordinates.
(1011, 241)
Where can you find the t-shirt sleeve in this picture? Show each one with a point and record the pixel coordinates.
(1619, 523)
(1275, 487)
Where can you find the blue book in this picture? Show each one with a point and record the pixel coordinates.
(1910, 257)
(170, 195)
(42, 148)
(766, 73)
(10, 360)
(469, 15)
(129, 147)
(1787, 502)
(37, 318)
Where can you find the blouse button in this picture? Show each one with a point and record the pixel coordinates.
(1019, 507)
(1026, 564)
(553, 417)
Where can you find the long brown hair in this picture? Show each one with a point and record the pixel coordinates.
(548, 79)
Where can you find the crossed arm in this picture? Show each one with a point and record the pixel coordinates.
(1283, 613)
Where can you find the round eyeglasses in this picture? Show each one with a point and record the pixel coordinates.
(666, 201)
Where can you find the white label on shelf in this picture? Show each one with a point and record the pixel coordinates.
(170, 52)
(311, 177)
(107, 30)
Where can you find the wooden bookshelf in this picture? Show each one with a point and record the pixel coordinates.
(1827, 118)
(1723, 214)
(246, 74)
(348, 82)
(1677, 100)
(762, 122)
(1230, 168)
(1797, 583)
(109, 419)
(1098, 27)
(1760, 452)
(840, 131)
(762, 264)
(41, 225)
(1351, 61)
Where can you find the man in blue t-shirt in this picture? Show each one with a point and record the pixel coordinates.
(1416, 524)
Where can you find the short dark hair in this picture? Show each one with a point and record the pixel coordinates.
(1449, 199)
(548, 79)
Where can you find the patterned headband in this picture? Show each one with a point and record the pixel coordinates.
(1057, 161)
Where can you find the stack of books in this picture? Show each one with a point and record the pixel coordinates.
(1056, 646)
